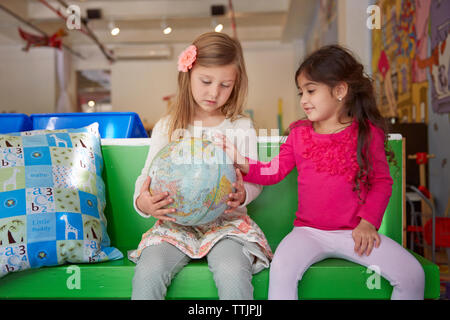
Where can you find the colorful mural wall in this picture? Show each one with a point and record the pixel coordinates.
(412, 43)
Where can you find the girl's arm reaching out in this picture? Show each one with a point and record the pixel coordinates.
(264, 173)
(246, 144)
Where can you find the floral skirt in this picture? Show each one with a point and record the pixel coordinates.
(196, 241)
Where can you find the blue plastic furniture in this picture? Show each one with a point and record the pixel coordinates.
(14, 122)
(111, 124)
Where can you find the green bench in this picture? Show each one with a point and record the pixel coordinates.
(274, 211)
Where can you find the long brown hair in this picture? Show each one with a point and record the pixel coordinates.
(213, 49)
(335, 64)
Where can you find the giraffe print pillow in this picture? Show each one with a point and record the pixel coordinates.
(52, 198)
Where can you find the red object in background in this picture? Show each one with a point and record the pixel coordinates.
(383, 64)
(442, 232)
(421, 158)
(425, 191)
(55, 40)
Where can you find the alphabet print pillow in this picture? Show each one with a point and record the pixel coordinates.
(52, 198)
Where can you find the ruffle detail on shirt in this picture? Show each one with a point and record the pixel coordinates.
(335, 155)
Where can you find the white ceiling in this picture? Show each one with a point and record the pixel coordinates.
(140, 21)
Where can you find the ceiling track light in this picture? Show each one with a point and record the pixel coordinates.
(166, 29)
(218, 27)
(217, 11)
(113, 28)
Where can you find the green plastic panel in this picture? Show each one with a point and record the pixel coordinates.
(274, 211)
(392, 225)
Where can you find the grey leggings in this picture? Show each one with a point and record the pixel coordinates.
(158, 264)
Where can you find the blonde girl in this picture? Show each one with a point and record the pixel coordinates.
(212, 87)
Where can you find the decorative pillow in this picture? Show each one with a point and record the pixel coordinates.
(52, 198)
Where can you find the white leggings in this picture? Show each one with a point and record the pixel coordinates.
(304, 246)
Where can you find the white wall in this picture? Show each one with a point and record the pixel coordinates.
(271, 68)
(352, 29)
(27, 80)
(140, 86)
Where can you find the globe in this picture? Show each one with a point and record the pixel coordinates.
(198, 176)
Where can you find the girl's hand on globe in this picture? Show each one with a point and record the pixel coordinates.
(237, 198)
(153, 205)
(239, 161)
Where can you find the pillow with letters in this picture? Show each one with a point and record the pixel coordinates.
(52, 198)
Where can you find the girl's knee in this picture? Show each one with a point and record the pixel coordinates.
(150, 260)
(231, 269)
(284, 270)
(414, 274)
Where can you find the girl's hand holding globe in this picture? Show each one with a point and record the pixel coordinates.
(237, 198)
(154, 205)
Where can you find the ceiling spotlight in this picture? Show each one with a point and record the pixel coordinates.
(115, 30)
(166, 29)
(218, 28)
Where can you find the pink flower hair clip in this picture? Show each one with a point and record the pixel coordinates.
(187, 58)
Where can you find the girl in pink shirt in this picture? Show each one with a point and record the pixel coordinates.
(344, 183)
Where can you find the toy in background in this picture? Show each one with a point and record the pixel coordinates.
(34, 41)
(433, 233)
(427, 206)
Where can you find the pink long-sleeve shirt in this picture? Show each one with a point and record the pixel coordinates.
(326, 165)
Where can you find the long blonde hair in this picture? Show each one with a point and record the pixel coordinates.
(213, 49)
